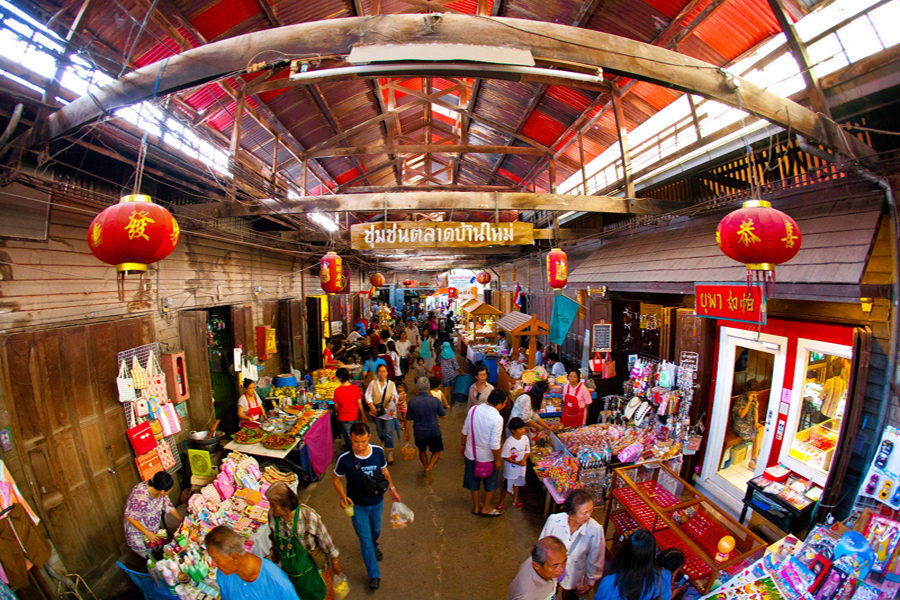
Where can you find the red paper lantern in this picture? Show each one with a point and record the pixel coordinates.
(377, 280)
(452, 293)
(331, 273)
(132, 234)
(760, 237)
(410, 283)
(483, 278)
(557, 269)
(345, 274)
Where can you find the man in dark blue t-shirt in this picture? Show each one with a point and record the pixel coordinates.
(423, 411)
(366, 507)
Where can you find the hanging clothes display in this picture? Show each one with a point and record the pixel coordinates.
(20, 539)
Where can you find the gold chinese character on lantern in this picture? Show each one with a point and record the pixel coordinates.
(175, 231)
(789, 238)
(96, 235)
(561, 270)
(137, 225)
(745, 233)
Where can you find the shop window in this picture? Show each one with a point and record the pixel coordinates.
(824, 398)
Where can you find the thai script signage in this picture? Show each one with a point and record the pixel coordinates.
(430, 234)
(731, 302)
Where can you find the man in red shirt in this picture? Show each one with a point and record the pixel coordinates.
(347, 405)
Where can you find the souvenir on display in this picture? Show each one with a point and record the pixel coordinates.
(832, 586)
(819, 567)
(883, 535)
(820, 541)
(853, 554)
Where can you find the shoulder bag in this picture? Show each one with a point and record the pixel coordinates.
(377, 485)
(379, 408)
(482, 469)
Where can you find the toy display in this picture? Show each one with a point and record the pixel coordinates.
(882, 481)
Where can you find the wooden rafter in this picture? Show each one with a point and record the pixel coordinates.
(428, 200)
(271, 14)
(326, 111)
(615, 54)
(798, 51)
(438, 147)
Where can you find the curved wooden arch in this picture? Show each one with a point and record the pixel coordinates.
(549, 44)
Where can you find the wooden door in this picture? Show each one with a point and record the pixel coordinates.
(314, 331)
(695, 341)
(192, 324)
(290, 335)
(69, 427)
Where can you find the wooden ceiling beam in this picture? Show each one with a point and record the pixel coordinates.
(322, 103)
(426, 200)
(271, 15)
(376, 169)
(548, 42)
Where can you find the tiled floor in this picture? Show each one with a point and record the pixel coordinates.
(738, 475)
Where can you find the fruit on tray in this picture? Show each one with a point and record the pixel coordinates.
(290, 392)
(248, 436)
(278, 441)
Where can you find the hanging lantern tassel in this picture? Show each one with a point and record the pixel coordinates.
(760, 237)
(131, 235)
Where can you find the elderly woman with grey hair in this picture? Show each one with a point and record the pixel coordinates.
(245, 576)
(302, 543)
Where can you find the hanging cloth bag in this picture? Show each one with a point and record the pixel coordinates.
(597, 363)
(125, 384)
(609, 366)
(156, 381)
(138, 374)
(298, 564)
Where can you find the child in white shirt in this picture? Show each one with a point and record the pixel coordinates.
(515, 452)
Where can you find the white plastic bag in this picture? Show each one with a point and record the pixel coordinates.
(401, 515)
(340, 586)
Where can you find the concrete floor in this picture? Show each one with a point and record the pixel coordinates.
(447, 553)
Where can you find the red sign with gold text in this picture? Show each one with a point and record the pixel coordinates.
(731, 302)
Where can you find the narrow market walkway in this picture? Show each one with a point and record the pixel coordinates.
(447, 553)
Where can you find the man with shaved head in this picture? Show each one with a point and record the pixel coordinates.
(536, 579)
(245, 576)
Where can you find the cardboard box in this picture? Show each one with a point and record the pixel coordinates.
(739, 453)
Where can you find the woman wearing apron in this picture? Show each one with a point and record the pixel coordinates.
(250, 411)
(301, 539)
(576, 397)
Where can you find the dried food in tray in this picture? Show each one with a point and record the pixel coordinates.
(278, 441)
(248, 436)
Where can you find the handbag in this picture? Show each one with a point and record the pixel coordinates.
(138, 374)
(125, 384)
(156, 381)
(609, 366)
(156, 429)
(165, 456)
(483, 470)
(141, 438)
(148, 465)
(141, 407)
(375, 486)
(379, 408)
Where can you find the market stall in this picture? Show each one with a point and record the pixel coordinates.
(518, 324)
(480, 321)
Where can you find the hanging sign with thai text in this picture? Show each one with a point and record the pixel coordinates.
(431, 234)
(730, 302)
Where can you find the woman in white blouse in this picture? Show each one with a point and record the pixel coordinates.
(382, 394)
(528, 407)
(585, 543)
(481, 389)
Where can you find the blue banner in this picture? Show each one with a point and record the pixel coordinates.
(564, 312)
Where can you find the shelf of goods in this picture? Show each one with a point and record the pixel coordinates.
(483, 317)
(651, 496)
(815, 445)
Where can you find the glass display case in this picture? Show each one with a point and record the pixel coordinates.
(653, 497)
(821, 384)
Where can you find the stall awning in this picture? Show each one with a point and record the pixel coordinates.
(477, 307)
(838, 236)
(440, 292)
(518, 323)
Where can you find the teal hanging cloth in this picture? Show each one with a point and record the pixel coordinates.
(564, 312)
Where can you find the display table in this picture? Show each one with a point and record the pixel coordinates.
(777, 511)
(552, 495)
(474, 357)
(316, 448)
(653, 497)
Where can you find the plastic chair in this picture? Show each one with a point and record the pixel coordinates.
(147, 585)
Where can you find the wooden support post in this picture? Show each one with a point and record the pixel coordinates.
(532, 342)
(798, 50)
(275, 161)
(234, 148)
(694, 117)
(583, 166)
(551, 173)
(303, 174)
(375, 7)
(623, 143)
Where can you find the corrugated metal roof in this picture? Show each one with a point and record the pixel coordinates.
(738, 26)
(224, 15)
